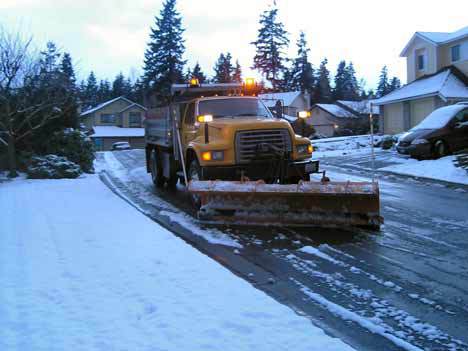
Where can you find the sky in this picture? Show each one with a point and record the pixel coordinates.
(110, 36)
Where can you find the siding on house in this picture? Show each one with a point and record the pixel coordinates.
(420, 109)
(444, 56)
(325, 123)
(393, 118)
(420, 46)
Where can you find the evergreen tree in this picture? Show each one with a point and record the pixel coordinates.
(198, 73)
(340, 81)
(237, 73)
(394, 84)
(351, 85)
(90, 93)
(271, 40)
(302, 72)
(383, 87)
(223, 69)
(323, 92)
(163, 64)
(121, 86)
(68, 73)
(104, 91)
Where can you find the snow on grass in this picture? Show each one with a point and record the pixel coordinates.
(140, 176)
(83, 270)
(441, 169)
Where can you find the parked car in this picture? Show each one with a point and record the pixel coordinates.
(121, 145)
(443, 131)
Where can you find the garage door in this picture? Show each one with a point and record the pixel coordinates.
(393, 118)
(420, 109)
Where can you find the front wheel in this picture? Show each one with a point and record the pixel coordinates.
(440, 149)
(156, 170)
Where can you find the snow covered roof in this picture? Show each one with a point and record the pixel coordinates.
(444, 84)
(104, 104)
(112, 131)
(287, 97)
(437, 38)
(360, 107)
(336, 110)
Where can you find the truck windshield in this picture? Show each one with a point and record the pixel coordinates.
(233, 107)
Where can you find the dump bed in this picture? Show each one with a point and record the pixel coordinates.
(159, 126)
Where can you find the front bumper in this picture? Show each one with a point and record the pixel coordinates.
(421, 150)
(261, 170)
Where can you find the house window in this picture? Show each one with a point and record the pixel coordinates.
(107, 118)
(455, 53)
(421, 62)
(134, 119)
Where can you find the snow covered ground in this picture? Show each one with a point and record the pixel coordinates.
(359, 146)
(83, 270)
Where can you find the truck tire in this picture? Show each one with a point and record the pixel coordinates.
(156, 170)
(195, 173)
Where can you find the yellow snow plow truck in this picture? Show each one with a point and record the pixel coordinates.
(244, 165)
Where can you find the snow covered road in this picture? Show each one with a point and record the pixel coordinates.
(404, 288)
(82, 270)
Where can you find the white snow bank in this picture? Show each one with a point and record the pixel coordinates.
(441, 169)
(83, 270)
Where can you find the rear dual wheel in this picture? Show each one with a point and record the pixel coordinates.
(156, 170)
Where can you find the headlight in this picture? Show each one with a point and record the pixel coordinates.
(212, 155)
(304, 149)
(419, 142)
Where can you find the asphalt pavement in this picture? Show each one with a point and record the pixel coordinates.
(405, 287)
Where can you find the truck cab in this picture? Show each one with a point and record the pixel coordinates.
(226, 136)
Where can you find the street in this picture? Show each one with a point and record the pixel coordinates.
(404, 287)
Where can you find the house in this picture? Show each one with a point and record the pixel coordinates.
(292, 101)
(437, 71)
(119, 119)
(330, 119)
(342, 117)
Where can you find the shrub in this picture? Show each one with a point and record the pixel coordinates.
(52, 167)
(386, 142)
(76, 146)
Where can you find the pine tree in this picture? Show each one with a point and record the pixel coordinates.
(395, 83)
(351, 85)
(383, 87)
(68, 73)
(163, 64)
(223, 69)
(302, 72)
(340, 81)
(237, 73)
(104, 91)
(90, 93)
(271, 40)
(198, 73)
(323, 92)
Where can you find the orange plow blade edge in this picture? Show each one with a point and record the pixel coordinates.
(328, 204)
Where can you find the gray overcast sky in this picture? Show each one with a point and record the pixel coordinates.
(109, 36)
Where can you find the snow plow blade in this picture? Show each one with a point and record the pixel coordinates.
(330, 204)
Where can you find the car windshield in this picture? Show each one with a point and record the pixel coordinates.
(439, 118)
(234, 107)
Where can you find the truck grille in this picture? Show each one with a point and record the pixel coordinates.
(248, 144)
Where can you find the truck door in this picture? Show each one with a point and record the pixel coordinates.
(189, 128)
